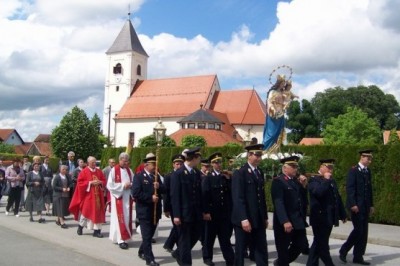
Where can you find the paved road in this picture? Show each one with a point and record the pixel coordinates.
(19, 238)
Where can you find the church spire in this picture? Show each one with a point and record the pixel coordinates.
(127, 40)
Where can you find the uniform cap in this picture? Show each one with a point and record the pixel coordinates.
(215, 157)
(292, 160)
(365, 153)
(327, 162)
(150, 158)
(178, 158)
(256, 148)
(193, 151)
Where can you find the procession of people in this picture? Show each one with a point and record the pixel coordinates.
(204, 202)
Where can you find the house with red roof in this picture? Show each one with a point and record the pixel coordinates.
(134, 103)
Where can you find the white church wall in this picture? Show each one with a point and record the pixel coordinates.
(141, 128)
(250, 131)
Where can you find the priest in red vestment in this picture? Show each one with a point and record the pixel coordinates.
(87, 204)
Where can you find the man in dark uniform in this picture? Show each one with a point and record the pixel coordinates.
(186, 205)
(177, 161)
(326, 209)
(217, 208)
(143, 190)
(289, 216)
(205, 168)
(249, 214)
(360, 204)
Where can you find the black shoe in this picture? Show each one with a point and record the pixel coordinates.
(152, 263)
(31, 219)
(361, 261)
(97, 233)
(342, 257)
(141, 255)
(58, 223)
(64, 226)
(208, 262)
(41, 220)
(306, 251)
(79, 231)
(153, 241)
(123, 245)
(169, 250)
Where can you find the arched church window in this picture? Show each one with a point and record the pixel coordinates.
(117, 69)
(139, 70)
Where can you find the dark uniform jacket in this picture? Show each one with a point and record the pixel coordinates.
(186, 194)
(288, 202)
(217, 197)
(248, 197)
(326, 206)
(167, 197)
(359, 189)
(143, 191)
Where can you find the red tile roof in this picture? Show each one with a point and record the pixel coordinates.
(5, 133)
(214, 138)
(241, 106)
(173, 97)
(311, 141)
(23, 148)
(43, 138)
(44, 148)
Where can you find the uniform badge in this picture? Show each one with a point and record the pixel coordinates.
(248, 169)
(213, 174)
(145, 174)
(186, 172)
(145, 181)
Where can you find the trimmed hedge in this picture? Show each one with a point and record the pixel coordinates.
(385, 169)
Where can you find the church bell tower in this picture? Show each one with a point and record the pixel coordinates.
(126, 64)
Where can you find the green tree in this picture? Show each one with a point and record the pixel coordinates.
(6, 148)
(393, 137)
(301, 121)
(193, 141)
(354, 127)
(150, 141)
(75, 133)
(382, 107)
(96, 122)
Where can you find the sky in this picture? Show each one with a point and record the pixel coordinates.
(52, 53)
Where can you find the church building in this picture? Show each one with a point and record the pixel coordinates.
(193, 105)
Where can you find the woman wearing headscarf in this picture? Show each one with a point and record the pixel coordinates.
(34, 200)
(62, 184)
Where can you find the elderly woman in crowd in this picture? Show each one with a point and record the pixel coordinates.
(47, 173)
(62, 185)
(15, 175)
(34, 199)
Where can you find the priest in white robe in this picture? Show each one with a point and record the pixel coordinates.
(119, 184)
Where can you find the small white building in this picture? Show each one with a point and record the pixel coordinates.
(134, 104)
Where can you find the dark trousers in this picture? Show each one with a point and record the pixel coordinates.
(147, 229)
(258, 240)
(14, 197)
(222, 229)
(289, 245)
(188, 235)
(173, 236)
(320, 246)
(358, 237)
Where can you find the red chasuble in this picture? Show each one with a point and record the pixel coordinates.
(89, 203)
(125, 235)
